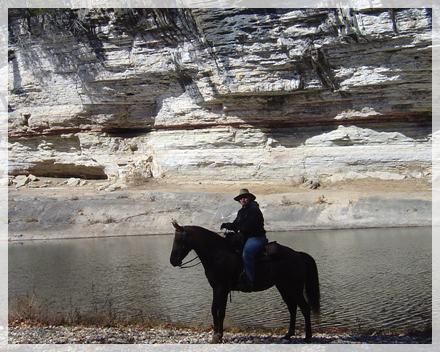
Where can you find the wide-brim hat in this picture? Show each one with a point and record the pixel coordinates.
(244, 192)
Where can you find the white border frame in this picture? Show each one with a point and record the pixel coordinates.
(218, 4)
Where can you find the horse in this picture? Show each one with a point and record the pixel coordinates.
(294, 274)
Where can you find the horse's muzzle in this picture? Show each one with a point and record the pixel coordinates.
(175, 261)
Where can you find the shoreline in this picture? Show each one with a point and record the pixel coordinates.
(31, 333)
(54, 238)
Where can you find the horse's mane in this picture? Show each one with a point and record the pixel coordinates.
(207, 234)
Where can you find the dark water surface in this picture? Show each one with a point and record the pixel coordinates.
(370, 279)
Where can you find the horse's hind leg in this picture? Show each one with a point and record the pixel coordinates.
(305, 310)
(290, 300)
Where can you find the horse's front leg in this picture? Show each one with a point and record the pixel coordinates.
(218, 309)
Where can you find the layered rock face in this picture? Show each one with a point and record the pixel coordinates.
(273, 95)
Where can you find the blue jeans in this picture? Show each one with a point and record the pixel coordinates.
(252, 247)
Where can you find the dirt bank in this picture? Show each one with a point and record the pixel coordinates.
(57, 208)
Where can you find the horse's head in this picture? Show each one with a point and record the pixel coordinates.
(180, 245)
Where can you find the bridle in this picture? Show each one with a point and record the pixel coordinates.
(184, 265)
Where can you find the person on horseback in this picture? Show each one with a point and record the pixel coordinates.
(250, 223)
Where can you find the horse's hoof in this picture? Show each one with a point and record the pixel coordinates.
(216, 338)
(286, 339)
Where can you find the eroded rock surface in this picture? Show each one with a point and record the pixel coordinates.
(279, 95)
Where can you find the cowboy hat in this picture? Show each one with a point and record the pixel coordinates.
(244, 192)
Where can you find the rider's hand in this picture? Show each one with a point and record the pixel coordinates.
(226, 225)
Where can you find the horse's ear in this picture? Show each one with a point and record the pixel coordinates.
(176, 225)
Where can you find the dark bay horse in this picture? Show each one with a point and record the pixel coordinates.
(293, 273)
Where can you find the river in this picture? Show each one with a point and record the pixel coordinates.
(370, 279)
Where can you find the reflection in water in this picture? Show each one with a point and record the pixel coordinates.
(375, 278)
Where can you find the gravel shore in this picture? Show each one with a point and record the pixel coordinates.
(26, 334)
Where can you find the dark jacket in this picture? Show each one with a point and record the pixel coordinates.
(249, 221)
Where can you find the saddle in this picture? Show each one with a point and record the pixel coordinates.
(271, 249)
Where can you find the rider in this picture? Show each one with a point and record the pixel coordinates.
(250, 223)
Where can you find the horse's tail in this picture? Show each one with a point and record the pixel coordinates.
(312, 284)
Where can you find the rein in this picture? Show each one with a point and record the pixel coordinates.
(182, 266)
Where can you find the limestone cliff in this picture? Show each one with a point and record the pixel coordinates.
(204, 94)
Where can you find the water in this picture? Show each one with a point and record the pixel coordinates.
(370, 279)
